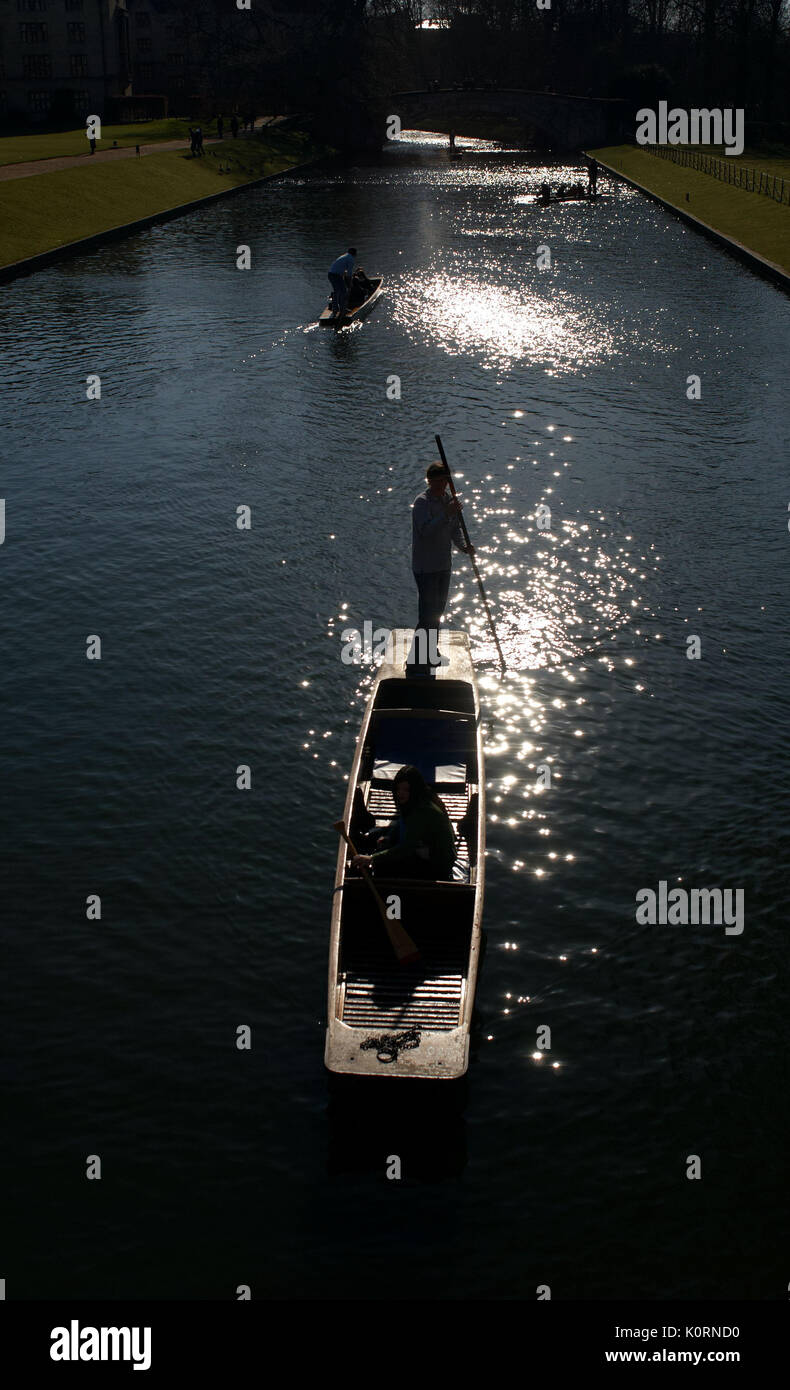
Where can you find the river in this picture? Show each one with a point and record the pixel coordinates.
(564, 386)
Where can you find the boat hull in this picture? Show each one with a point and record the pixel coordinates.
(329, 320)
(386, 1018)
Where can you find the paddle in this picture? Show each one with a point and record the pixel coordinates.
(471, 557)
(401, 942)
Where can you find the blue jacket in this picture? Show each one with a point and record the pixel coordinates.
(342, 264)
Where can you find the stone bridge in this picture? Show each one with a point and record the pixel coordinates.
(563, 122)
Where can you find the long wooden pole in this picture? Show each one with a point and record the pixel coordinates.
(440, 447)
(401, 942)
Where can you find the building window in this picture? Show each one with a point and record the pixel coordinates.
(175, 60)
(78, 64)
(75, 32)
(82, 103)
(173, 31)
(34, 33)
(178, 84)
(39, 102)
(31, 4)
(36, 65)
(143, 45)
(143, 21)
(144, 72)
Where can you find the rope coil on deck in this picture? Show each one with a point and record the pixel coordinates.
(389, 1048)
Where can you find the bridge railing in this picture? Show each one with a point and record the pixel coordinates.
(728, 170)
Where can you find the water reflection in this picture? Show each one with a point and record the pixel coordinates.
(468, 309)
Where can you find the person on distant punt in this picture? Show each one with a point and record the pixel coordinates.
(360, 289)
(592, 173)
(420, 842)
(340, 272)
(435, 530)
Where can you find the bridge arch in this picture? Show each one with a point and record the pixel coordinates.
(567, 122)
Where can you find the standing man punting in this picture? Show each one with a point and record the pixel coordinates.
(340, 272)
(435, 530)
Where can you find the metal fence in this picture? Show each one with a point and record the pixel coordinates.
(728, 170)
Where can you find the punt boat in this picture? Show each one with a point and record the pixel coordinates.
(386, 1018)
(570, 198)
(350, 315)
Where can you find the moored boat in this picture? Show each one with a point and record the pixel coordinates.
(385, 1017)
(353, 311)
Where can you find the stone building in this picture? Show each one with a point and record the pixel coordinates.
(62, 59)
(162, 52)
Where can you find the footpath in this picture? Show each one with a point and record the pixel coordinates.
(75, 161)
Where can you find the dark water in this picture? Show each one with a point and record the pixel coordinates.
(564, 386)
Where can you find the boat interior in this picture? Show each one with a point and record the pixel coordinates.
(357, 296)
(432, 725)
(375, 991)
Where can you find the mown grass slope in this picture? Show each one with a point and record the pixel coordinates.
(49, 210)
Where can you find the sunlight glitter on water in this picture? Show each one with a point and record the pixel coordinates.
(433, 140)
(460, 314)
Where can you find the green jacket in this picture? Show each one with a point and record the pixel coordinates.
(427, 827)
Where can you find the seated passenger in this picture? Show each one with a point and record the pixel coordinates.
(419, 842)
(361, 288)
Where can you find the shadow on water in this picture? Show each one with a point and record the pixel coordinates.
(422, 1122)
(372, 1119)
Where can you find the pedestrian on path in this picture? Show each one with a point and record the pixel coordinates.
(220, 127)
(234, 125)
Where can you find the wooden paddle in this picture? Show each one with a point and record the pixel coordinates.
(401, 942)
(471, 557)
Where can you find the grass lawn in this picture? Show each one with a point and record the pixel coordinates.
(18, 149)
(756, 221)
(49, 210)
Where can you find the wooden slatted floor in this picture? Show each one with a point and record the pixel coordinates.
(404, 998)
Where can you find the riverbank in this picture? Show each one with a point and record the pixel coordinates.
(51, 213)
(753, 225)
(18, 149)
